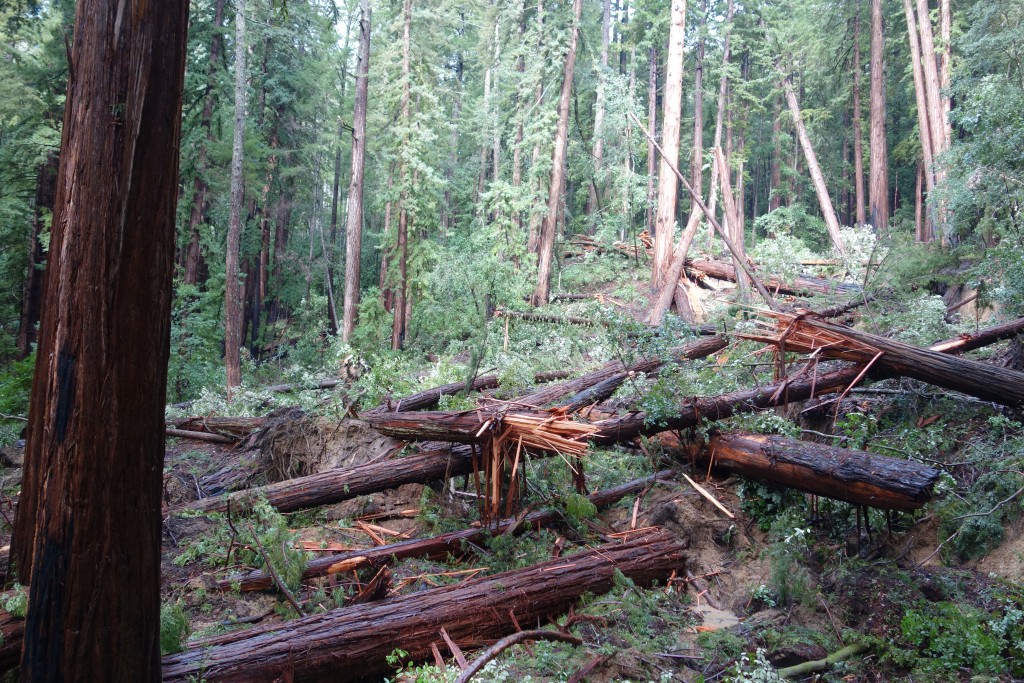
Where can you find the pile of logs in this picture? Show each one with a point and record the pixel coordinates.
(488, 443)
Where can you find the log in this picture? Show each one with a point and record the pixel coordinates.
(430, 397)
(288, 388)
(990, 335)
(352, 643)
(199, 436)
(697, 268)
(699, 348)
(334, 486)
(850, 475)
(547, 318)
(233, 427)
(805, 334)
(453, 542)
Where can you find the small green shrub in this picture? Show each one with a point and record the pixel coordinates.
(174, 627)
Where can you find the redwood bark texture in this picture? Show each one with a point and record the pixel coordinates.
(87, 535)
(668, 186)
(878, 173)
(354, 226)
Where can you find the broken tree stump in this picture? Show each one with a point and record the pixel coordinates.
(453, 542)
(352, 643)
(849, 475)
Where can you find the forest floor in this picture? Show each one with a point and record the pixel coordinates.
(933, 595)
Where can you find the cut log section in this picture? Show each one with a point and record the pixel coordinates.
(352, 643)
(843, 474)
(438, 546)
(804, 334)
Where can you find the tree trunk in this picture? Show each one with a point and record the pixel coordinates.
(332, 238)
(193, 252)
(347, 644)
(664, 229)
(354, 224)
(878, 176)
(232, 289)
(723, 96)
(732, 215)
(846, 474)
(923, 122)
(775, 178)
(533, 240)
(592, 194)
(800, 285)
(547, 236)
(452, 543)
(88, 520)
(402, 243)
(858, 142)
(652, 124)
(32, 291)
(831, 222)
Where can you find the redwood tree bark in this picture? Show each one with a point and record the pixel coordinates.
(87, 534)
(668, 186)
(878, 175)
(547, 233)
(858, 143)
(232, 290)
(652, 125)
(402, 243)
(354, 227)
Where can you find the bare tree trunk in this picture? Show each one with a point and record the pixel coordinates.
(932, 84)
(831, 222)
(919, 230)
(533, 240)
(232, 288)
(878, 176)
(723, 96)
(592, 194)
(193, 252)
(332, 310)
(547, 237)
(88, 520)
(664, 229)
(32, 291)
(731, 211)
(775, 179)
(652, 124)
(858, 142)
(354, 225)
(402, 245)
(697, 162)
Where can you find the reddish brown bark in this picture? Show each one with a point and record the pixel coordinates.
(352, 643)
(858, 142)
(88, 521)
(878, 174)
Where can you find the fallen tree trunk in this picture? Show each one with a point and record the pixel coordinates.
(234, 427)
(843, 474)
(199, 436)
(333, 486)
(353, 643)
(990, 335)
(697, 268)
(437, 546)
(431, 397)
(288, 388)
(699, 348)
(808, 335)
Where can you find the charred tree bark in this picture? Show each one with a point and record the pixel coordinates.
(90, 503)
(549, 227)
(452, 543)
(844, 474)
(350, 644)
(354, 225)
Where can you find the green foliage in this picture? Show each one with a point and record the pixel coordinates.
(953, 636)
(753, 668)
(790, 580)
(174, 627)
(263, 526)
(15, 601)
(766, 504)
(15, 387)
(579, 506)
(799, 230)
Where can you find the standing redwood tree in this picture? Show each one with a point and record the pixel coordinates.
(232, 288)
(354, 227)
(878, 174)
(87, 534)
(547, 234)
